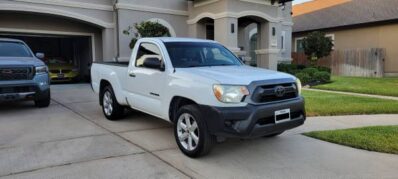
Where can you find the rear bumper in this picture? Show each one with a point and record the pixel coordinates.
(253, 120)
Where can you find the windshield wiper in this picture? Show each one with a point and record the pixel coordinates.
(224, 65)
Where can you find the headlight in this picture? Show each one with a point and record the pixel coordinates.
(41, 70)
(230, 93)
(299, 87)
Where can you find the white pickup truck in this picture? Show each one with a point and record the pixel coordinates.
(203, 89)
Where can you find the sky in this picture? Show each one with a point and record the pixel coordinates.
(300, 1)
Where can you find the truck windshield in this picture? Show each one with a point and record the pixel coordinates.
(14, 49)
(200, 54)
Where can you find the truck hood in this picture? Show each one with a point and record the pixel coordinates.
(237, 75)
(29, 61)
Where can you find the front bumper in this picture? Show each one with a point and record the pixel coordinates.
(36, 89)
(63, 77)
(253, 120)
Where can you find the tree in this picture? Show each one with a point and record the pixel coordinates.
(316, 45)
(146, 29)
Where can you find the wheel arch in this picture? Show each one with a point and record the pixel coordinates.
(176, 103)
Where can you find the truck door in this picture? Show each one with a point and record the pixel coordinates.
(145, 80)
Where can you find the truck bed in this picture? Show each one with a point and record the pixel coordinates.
(121, 64)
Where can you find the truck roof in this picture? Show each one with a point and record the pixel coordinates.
(180, 39)
(10, 40)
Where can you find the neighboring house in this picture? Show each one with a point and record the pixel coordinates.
(352, 24)
(93, 29)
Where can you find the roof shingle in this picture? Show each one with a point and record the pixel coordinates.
(350, 13)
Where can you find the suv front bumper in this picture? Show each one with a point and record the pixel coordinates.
(252, 120)
(36, 89)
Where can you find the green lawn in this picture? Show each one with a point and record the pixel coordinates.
(330, 104)
(380, 139)
(379, 86)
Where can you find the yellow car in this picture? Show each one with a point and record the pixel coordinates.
(63, 72)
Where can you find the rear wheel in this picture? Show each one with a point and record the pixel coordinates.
(191, 133)
(110, 107)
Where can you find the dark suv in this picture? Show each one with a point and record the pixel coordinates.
(22, 75)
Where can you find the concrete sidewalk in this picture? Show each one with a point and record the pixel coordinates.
(354, 94)
(72, 139)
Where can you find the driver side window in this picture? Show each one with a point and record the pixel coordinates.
(146, 51)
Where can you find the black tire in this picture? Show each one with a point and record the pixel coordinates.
(117, 111)
(205, 141)
(274, 135)
(44, 101)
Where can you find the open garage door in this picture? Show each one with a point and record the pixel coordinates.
(69, 57)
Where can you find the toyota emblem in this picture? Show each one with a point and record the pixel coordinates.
(279, 91)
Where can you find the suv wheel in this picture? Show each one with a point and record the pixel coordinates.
(110, 107)
(44, 101)
(191, 132)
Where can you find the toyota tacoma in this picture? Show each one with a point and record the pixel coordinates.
(203, 89)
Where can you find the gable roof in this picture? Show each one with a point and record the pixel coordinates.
(352, 12)
(311, 6)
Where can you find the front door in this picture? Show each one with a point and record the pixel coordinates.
(145, 85)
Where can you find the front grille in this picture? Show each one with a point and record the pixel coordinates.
(17, 89)
(272, 93)
(16, 73)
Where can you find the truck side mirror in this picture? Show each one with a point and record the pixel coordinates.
(40, 55)
(153, 63)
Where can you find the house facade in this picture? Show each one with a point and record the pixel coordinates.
(93, 29)
(351, 24)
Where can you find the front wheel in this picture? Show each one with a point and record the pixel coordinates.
(110, 107)
(191, 133)
(44, 101)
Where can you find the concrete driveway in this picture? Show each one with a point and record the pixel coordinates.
(72, 139)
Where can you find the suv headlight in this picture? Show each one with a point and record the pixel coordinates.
(41, 70)
(299, 86)
(230, 93)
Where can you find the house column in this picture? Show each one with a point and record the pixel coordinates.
(197, 30)
(226, 32)
(108, 44)
(268, 52)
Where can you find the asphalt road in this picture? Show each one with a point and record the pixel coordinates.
(72, 139)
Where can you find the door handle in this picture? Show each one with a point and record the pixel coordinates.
(131, 74)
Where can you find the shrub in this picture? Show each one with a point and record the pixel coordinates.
(310, 71)
(290, 68)
(322, 77)
(305, 78)
(146, 29)
(326, 69)
(312, 75)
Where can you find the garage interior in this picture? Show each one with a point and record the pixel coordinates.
(62, 53)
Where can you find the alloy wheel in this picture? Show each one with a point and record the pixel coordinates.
(188, 132)
(107, 103)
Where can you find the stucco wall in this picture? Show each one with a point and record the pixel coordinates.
(382, 36)
(130, 17)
